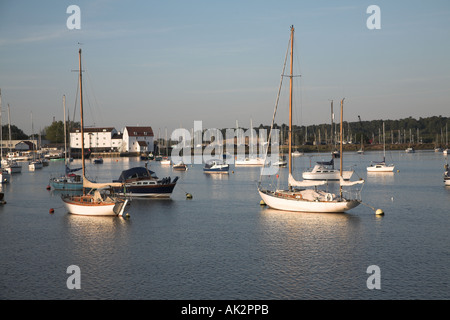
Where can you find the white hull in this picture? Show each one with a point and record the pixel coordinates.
(5, 176)
(447, 182)
(380, 168)
(301, 205)
(166, 162)
(35, 165)
(250, 162)
(103, 209)
(14, 169)
(326, 174)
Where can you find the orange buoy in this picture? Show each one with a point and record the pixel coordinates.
(51, 210)
(48, 187)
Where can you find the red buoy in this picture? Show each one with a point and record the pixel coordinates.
(51, 210)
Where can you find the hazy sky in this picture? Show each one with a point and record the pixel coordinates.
(168, 63)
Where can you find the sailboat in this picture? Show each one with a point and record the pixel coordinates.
(165, 161)
(70, 180)
(35, 163)
(98, 202)
(381, 166)
(4, 174)
(445, 152)
(250, 161)
(305, 196)
(10, 165)
(325, 170)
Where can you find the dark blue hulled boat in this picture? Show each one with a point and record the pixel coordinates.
(216, 166)
(143, 183)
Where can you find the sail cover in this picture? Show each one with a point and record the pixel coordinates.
(308, 183)
(94, 185)
(350, 183)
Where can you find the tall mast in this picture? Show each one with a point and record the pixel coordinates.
(341, 156)
(81, 115)
(65, 131)
(290, 100)
(341, 134)
(9, 127)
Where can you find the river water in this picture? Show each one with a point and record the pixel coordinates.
(223, 245)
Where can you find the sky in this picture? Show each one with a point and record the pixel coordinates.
(166, 64)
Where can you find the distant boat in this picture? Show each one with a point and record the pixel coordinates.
(98, 160)
(10, 165)
(410, 150)
(281, 162)
(179, 166)
(139, 182)
(446, 175)
(381, 166)
(100, 201)
(297, 154)
(35, 163)
(249, 162)
(324, 170)
(306, 196)
(4, 176)
(216, 166)
(165, 161)
(69, 180)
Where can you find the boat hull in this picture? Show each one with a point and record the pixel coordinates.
(301, 205)
(380, 169)
(76, 205)
(69, 186)
(330, 175)
(249, 162)
(133, 190)
(4, 177)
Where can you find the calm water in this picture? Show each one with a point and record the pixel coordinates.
(223, 245)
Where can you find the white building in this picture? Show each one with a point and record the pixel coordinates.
(99, 139)
(137, 139)
(133, 139)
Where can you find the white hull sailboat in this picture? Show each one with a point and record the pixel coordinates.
(94, 203)
(305, 196)
(381, 166)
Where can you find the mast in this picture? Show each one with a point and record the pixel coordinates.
(290, 100)
(384, 145)
(340, 148)
(65, 132)
(9, 127)
(81, 115)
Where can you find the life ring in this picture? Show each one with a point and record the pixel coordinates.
(329, 197)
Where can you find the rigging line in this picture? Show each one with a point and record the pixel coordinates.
(276, 105)
(93, 93)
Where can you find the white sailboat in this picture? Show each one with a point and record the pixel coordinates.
(305, 196)
(250, 161)
(35, 163)
(97, 202)
(381, 166)
(445, 151)
(4, 174)
(446, 175)
(9, 164)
